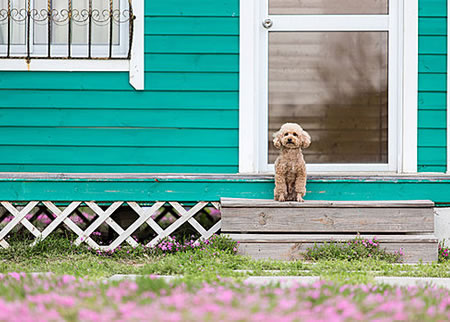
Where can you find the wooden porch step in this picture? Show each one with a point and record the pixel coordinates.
(292, 247)
(284, 230)
(251, 215)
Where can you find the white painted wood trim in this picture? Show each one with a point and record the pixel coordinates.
(18, 216)
(404, 70)
(68, 65)
(263, 90)
(410, 85)
(395, 85)
(185, 216)
(103, 217)
(135, 66)
(248, 87)
(137, 75)
(340, 167)
(126, 177)
(144, 215)
(330, 22)
(60, 217)
(69, 223)
(97, 50)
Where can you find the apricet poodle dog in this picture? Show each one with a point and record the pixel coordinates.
(290, 168)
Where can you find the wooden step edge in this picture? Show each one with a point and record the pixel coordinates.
(268, 203)
(320, 238)
(329, 232)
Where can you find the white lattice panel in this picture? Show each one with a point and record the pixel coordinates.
(61, 216)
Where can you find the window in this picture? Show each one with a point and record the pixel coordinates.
(85, 35)
(336, 68)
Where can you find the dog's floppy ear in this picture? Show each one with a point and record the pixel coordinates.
(306, 139)
(277, 139)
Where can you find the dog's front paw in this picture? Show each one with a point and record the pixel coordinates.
(281, 197)
(300, 195)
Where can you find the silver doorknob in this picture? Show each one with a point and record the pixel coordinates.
(267, 23)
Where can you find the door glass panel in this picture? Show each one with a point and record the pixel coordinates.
(335, 85)
(292, 7)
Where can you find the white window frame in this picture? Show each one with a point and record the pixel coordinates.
(135, 65)
(402, 95)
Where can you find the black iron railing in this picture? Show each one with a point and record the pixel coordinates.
(51, 17)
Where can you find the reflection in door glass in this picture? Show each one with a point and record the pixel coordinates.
(292, 7)
(334, 84)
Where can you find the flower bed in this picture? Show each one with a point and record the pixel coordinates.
(46, 298)
(170, 245)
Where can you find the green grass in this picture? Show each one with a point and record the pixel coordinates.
(60, 256)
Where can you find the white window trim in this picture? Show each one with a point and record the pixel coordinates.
(250, 82)
(135, 66)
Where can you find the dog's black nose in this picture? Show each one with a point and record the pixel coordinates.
(289, 140)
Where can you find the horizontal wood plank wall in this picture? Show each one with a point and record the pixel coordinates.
(186, 120)
(432, 136)
(191, 65)
(156, 188)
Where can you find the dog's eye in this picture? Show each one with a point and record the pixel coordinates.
(286, 134)
(295, 134)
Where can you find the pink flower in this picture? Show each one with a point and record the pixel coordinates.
(16, 276)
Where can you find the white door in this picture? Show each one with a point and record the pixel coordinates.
(333, 67)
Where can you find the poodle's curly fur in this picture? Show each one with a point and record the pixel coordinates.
(290, 168)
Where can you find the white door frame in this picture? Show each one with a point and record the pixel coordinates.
(254, 70)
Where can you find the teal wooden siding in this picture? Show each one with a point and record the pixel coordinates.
(432, 137)
(186, 120)
(212, 189)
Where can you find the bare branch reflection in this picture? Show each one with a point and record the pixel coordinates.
(335, 85)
